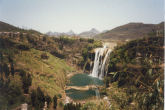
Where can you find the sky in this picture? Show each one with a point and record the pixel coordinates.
(79, 15)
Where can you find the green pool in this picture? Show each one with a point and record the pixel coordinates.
(80, 95)
(82, 80)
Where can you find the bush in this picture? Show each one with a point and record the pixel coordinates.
(23, 47)
(44, 56)
(90, 40)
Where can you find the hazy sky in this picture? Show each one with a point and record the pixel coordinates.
(79, 15)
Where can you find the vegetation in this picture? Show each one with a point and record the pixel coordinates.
(34, 66)
(71, 106)
(55, 102)
(137, 68)
(24, 69)
(38, 99)
(87, 53)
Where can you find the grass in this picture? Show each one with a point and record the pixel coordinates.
(49, 74)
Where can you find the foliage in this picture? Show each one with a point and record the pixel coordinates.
(27, 81)
(137, 64)
(11, 92)
(38, 99)
(44, 56)
(71, 106)
(55, 102)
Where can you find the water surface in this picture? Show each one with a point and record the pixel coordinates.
(82, 80)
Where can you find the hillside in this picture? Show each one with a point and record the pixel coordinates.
(132, 31)
(47, 72)
(5, 27)
(136, 79)
(33, 63)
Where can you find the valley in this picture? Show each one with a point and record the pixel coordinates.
(68, 72)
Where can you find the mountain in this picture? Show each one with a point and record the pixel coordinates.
(90, 33)
(132, 31)
(54, 33)
(57, 34)
(5, 27)
(70, 33)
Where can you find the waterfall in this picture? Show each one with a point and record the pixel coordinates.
(101, 55)
(103, 65)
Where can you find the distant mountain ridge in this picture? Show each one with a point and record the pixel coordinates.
(90, 33)
(131, 31)
(85, 34)
(57, 34)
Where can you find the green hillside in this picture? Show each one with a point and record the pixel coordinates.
(47, 73)
(136, 76)
(34, 67)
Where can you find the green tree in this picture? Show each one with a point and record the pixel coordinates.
(12, 69)
(55, 102)
(48, 100)
(27, 81)
(6, 70)
(33, 98)
(1, 69)
(38, 99)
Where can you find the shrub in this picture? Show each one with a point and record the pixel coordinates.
(90, 40)
(23, 47)
(44, 56)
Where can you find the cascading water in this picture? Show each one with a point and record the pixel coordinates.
(103, 64)
(100, 61)
(99, 65)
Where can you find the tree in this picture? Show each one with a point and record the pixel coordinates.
(1, 69)
(6, 70)
(38, 99)
(12, 69)
(48, 100)
(33, 97)
(27, 81)
(1, 57)
(71, 106)
(55, 102)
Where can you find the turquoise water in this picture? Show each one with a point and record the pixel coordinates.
(80, 95)
(82, 80)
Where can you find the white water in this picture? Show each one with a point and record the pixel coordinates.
(100, 62)
(103, 65)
